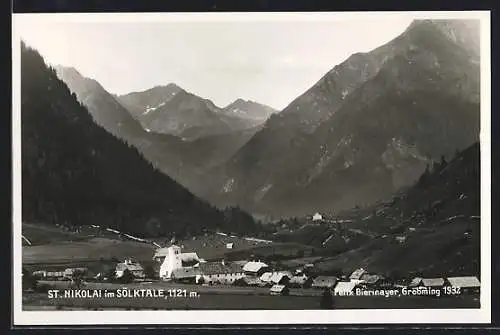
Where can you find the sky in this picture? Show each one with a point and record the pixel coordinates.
(271, 61)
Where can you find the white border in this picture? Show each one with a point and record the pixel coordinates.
(482, 315)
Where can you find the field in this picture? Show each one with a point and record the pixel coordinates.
(53, 248)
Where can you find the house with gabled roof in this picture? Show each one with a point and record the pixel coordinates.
(467, 284)
(344, 287)
(135, 269)
(433, 282)
(279, 290)
(255, 268)
(356, 275)
(324, 282)
(220, 272)
(300, 281)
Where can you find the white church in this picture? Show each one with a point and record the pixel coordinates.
(172, 259)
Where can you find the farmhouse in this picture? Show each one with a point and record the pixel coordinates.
(370, 280)
(219, 272)
(255, 269)
(49, 274)
(324, 282)
(134, 268)
(433, 282)
(344, 288)
(356, 275)
(40, 273)
(279, 290)
(250, 281)
(300, 281)
(400, 239)
(415, 282)
(187, 275)
(174, 259)
(280, 277)
(69, 272)
(466, 284)
(317, 217)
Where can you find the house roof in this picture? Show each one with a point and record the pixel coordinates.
(357, 274)
(266, 276)
(415, 281)
(275, 277)
(189, 256)
(252, 281)
(185, 273)
(254, 266)
(277, 288)
(278, 276)
(211, 268)
(344, 286)
(129, 266)
(370, 279)
(464, 282)
(433, 281)
(324, 281)
(299, 279)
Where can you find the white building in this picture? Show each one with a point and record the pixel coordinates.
(344, 287)
(134, 268)
(174, 260)
(464, 282)
(317, 217)
(278, 277)
(355, 277)
(219, 273)
(433, 282)
(279, 290)
(253, 268)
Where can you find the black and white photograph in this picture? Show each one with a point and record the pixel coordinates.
(270, 168)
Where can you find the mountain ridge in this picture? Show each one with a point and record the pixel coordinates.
(173, 110)
(291, 139)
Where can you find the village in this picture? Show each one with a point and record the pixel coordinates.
(233, 271)
(176, 267)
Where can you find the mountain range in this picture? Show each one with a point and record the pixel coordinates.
(184, 160)
(366, 129)
(76, 172)
(172, 110)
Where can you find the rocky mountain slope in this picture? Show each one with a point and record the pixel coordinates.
(139, 103)
(185, 161)
(433, 228)
(76, 173)
(104, 108)
(248, 109)
(366, 129)
(172, 110)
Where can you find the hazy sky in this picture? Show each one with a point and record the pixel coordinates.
(268, 61)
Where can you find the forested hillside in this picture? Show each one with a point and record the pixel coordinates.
(76, 173)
